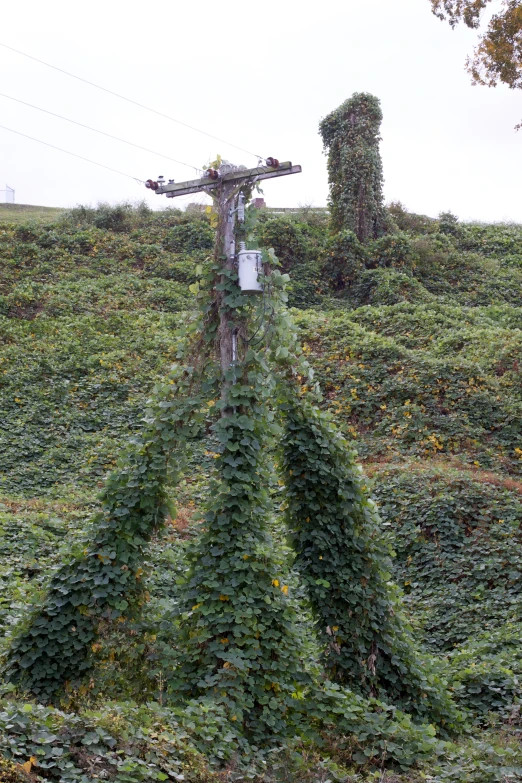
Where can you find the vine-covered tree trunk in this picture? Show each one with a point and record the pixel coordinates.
(351, 137)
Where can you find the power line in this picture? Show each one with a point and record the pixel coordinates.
(103, 133)
(129, 100)
(88, 160)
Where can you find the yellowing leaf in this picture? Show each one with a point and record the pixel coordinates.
(28, 764)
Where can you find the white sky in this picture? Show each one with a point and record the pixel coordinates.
(260, 75)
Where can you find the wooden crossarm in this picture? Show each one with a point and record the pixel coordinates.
(205, 183)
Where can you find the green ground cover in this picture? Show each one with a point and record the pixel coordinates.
(418, 356)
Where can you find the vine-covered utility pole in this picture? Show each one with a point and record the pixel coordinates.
(225, 184)
(238, 649)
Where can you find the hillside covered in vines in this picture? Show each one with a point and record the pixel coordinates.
(415, 339)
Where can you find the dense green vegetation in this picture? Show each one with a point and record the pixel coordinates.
(416, 341)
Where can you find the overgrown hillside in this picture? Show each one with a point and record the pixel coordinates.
(416, 340)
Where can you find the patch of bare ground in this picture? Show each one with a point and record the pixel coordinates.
(15, 505)
(374, 466)
(183, 520)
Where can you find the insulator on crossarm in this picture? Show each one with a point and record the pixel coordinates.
(151, 185)
(212, 174)
(272, 163)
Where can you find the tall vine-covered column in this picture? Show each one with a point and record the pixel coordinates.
(351, 137)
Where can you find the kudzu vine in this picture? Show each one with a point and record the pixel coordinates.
(54, 648)
(351, 137)
(342, 557)
(238, 636)
(239, 645)
(343, 560)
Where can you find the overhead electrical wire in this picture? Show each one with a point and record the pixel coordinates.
(103, 133)
(88, 160)
(130, 100)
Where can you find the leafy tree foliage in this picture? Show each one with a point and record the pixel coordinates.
(498, 56)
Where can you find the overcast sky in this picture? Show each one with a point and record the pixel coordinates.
(259, 75)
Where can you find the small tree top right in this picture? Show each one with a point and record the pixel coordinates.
(498, 55)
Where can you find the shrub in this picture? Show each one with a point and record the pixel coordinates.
(431, 253)
(400, 219)
(448, 223)
(288, 240)
(113, 218)
(187, 237)
(298, 246)
(108, 217)
(387, 287)
(343, 260)
(391, 250)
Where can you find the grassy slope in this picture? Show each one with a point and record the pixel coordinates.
(421, 371)
(21, 213)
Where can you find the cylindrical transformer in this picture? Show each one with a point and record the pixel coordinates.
(249, 265)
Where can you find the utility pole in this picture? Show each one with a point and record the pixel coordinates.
(224, 184)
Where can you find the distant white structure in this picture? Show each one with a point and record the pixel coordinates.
(9, 195)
